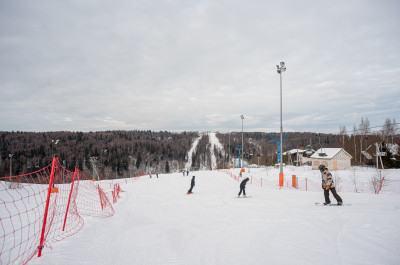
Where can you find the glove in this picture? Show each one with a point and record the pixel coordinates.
(322, 185)
(327, 187)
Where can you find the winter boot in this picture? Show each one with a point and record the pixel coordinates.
(327, 203)
(340, 203)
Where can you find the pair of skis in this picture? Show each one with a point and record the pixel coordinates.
(331, 204)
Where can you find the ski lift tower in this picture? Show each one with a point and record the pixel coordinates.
(94, 160)
(275, 139)
(239, 148)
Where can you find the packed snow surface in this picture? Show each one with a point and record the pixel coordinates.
(191, 151)
(156, 222)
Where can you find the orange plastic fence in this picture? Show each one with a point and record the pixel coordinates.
(382, 186)
(26, 227)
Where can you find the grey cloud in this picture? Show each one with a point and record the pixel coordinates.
(194, 65)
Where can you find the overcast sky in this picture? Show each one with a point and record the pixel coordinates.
(198, 65)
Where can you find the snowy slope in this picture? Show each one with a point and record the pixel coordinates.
(157, 223)
(215, 144)
(191, 151)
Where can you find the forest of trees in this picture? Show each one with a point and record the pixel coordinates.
(118, 153)
(129, 153)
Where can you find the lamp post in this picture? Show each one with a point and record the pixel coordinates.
(281, 69)
(229, 151)
(52, 149)
(242, 117)
(10, 156)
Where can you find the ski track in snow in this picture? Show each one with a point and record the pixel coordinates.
(214, 143)
(191, 151)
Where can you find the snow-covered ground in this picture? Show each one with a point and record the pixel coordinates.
(191, 151)
(156, 222)
(215, 144)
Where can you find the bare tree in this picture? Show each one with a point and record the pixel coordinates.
(376, 181)
(364, 130)
(389, 130)
(355, 132)
(342, 133)
(354, 180)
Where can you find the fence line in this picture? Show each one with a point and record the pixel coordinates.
(43, 207)
(374, 186)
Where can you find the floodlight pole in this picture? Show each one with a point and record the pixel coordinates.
(281, 69)
(10, 156)
(242, 117)
(229, 152)
(281, 165)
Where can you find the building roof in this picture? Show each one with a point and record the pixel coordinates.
(294, 151)
(328, 153)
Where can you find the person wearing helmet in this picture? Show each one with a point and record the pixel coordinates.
(328, 185)
(243, 187)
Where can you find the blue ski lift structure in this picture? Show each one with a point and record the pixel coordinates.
(275, 139)
(239, 147)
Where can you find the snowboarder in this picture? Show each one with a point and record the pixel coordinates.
(328, 185)
(187, 172)
(191, 186)
(243, 187)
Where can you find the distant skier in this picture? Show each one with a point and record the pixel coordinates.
(328, 185)
(187, 172)
(243, 187)
(191, 186)
(157, 174)
(183, 172)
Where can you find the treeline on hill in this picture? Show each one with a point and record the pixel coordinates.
(128, 153)
(117, 153)
(261, 148)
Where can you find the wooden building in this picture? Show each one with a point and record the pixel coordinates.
(332, 158)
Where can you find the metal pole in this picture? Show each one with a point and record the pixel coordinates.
(229, 151)
(10, 155)
(242, 141)
(281, 165)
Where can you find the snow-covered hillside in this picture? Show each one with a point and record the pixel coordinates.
(215, 145)
(156, 222)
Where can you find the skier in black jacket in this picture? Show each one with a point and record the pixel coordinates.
(243, 187)
(191, 186)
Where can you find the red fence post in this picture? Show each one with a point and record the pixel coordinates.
(69, 199)
(47, 207)
(380, 186)
(101, 201)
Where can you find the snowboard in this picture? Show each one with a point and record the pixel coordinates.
(189, 193)
(332, 204)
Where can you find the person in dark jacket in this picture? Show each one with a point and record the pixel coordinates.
(329, 185)
(243, 187)
(191, 186)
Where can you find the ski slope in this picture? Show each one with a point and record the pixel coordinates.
(156, 222)
(215, 144)
(191, 151)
